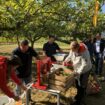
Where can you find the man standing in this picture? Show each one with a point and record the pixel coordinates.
(51, 47)
(99, 45)
(89, 43)
(25, 53)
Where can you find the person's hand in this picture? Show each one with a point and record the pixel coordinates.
(24, 87)
(63, 63)
(16, 98)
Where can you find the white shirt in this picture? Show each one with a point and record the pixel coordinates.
(98, 46)
(81, 63)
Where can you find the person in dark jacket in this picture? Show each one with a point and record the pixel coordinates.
(7, 71)
(24, 72)
(90, 45)
(51, 47)
(99, 45)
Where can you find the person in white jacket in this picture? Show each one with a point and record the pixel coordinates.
(79, 56)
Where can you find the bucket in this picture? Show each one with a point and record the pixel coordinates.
(5, 100)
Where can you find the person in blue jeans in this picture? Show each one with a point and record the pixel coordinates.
(24, 72)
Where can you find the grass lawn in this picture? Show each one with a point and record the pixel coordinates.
(6, 49)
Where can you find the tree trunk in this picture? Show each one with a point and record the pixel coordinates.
(32, 44)
(17, 38)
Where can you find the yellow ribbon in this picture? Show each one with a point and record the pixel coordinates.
(96, 13)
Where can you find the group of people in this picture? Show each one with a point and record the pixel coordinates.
(18, 67)
(96, 48)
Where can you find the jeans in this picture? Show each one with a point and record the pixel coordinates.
(25, 81)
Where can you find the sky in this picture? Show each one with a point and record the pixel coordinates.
(103, 8)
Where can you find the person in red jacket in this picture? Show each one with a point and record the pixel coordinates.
(7, 71)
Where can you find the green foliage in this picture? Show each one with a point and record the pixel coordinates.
(34, 19)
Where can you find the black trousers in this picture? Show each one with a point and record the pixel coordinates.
(99, 63)
(81, 89)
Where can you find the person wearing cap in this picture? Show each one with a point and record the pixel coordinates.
(7, 71)
(79, 56)
(99, 45)
(24, 72)
(51, 47)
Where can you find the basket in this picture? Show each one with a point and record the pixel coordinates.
(93, 86)
(59, 56)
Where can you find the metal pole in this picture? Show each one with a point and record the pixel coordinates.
(58, 99)
(27, 97)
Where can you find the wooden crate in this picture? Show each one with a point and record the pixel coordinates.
(61, 82)
(61, 88)
(62, 78)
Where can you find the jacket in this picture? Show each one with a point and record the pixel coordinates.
(81, 60)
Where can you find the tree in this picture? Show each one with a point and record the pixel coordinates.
(33, 19)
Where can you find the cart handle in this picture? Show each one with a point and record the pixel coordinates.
(28, 87)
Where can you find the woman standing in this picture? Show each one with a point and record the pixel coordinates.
(79, 56)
